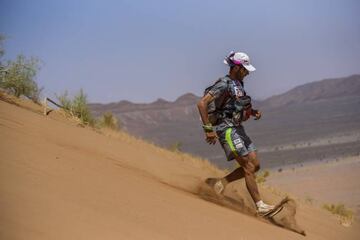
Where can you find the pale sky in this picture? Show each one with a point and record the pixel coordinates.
(144, 50)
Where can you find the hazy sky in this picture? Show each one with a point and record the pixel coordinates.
(144, 50)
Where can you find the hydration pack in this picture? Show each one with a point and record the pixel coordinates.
(240, 110)
(215, 107)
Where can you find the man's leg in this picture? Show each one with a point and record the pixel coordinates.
(239, 172)
(252, 165)
(249, 165)
(237, 144)
(248, 171)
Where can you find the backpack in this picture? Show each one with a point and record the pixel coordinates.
(240, 112)
(214, 112)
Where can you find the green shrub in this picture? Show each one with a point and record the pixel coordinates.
(81, 108)
(65, 101)
(77, 106)
(18, 77)
(108, 120)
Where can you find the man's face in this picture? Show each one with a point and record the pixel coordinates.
(241, 72)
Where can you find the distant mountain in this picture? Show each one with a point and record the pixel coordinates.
(313, 110)
(186, 99)
(126, 106)
(324, 89)
(136, 117)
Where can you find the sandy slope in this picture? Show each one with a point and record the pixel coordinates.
(62, 181)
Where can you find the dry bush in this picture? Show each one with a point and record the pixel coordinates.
(346, 216)
(176, 147)
(261, 177)
(108, 120)
(339, 209)
(77, 106)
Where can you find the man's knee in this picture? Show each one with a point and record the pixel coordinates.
(257, 165)
(251, 167)
(247, 164)
(255, 161)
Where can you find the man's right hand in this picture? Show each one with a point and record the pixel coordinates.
(256, 113)
(211, 137)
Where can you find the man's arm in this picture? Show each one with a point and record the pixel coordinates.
(202, 106)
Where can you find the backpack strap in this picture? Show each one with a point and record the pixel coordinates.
(211, 86)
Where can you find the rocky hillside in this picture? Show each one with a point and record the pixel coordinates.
(324, 89)
(304, 114)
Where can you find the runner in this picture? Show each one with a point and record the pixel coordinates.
(223, 108)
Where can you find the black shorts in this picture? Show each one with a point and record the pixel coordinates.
(235, 142)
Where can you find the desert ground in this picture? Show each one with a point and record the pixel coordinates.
(322, 182)
(61, 180)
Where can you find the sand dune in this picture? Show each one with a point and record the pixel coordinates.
(62, 181)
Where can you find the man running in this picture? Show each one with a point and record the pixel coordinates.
(230, 107)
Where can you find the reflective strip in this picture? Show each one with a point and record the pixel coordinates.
(229, 141)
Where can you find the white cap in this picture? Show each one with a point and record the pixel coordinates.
(239, 58)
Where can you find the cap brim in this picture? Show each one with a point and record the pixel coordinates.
(249, 67)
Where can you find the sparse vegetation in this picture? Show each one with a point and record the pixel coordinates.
(309, 200)
(18, 76)
(261, 177)
(346, 215)
(65, 101)
(77, 106)
(108, 120)
(176, 147)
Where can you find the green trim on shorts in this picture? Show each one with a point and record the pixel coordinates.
(229, 141)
